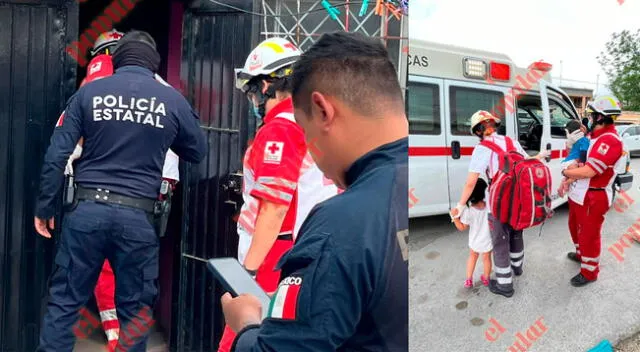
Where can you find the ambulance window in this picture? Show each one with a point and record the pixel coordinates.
(559, 118)
(423, 105)
(466, 101)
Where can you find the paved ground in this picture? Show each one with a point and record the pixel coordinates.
(97, 343)
(445, 316)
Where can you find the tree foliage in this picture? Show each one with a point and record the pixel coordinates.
(621, 62)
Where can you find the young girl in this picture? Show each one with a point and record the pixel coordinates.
(475, 219)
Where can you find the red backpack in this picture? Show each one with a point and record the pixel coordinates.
(520, 193)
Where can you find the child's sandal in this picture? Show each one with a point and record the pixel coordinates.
(485, 280)
(468, 283)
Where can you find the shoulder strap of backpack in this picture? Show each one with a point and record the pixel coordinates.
(510, 146)
(491, 145)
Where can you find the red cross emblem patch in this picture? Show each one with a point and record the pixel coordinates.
(273, 152)
(603, 148)
(95, 68)
(256, 61)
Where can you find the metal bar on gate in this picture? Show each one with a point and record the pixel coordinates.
(318, 35)
(346, 10)
(217, 129)
(298, 24)
(194, 257)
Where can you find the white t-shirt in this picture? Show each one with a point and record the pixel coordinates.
(170, 169)
(479, 235)
(485, 161)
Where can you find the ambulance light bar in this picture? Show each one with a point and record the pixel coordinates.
(476, 68)
(541, 66)
(500, 72)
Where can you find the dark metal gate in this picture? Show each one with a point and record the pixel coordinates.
(36, 78)
(215, 41)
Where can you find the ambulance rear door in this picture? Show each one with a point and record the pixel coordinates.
(463, 100)
(428, 179)
(557, 110)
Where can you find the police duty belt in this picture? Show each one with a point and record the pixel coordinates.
(104, 196)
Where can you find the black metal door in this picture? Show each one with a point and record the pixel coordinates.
(36, 78)
(215, 41)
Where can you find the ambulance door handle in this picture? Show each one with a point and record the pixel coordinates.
(548, 159)
(455, 150)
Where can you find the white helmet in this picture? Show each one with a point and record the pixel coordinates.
(606, 105)
(106, 40)
(269, 58)
(481, 116)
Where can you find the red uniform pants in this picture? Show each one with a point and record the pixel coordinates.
(105, 298)
(574, 221)
(267, 278)
(585, 224)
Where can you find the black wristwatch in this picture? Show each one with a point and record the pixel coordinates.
(251, 272)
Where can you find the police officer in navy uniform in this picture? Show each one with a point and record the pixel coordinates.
(128, 122)
(344, 283)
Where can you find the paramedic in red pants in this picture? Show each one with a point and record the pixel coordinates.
(281, 181)
(591, 197)
(508, 245)
(101, 66)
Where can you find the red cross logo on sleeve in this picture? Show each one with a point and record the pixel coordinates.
(273, 152)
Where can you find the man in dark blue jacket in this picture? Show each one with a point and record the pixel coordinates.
(128, 122)
(344, 283)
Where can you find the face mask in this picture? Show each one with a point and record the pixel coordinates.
(256, 112)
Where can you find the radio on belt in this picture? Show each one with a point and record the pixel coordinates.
(164, 187)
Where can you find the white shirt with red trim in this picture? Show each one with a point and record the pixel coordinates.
(604, 152)
(485, 161)
(278, 168)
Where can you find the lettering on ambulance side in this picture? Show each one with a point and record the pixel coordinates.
(146, 111)
(420, 60)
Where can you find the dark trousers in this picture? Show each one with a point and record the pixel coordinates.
(91, 233)
(508, 252)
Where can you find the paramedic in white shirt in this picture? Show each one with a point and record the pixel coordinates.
(508, 245)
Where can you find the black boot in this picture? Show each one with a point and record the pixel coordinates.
(517, 270)
(495, 288)
(573, 256)
(579, 281)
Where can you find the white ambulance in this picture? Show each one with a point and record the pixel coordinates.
(445, 86)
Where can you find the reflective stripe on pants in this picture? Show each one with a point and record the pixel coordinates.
(591, 217)
(508, 250)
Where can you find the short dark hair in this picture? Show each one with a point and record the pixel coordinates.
(478, 193)
(138, 36)
(282, 84)
(349, 66)
(573, 126)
